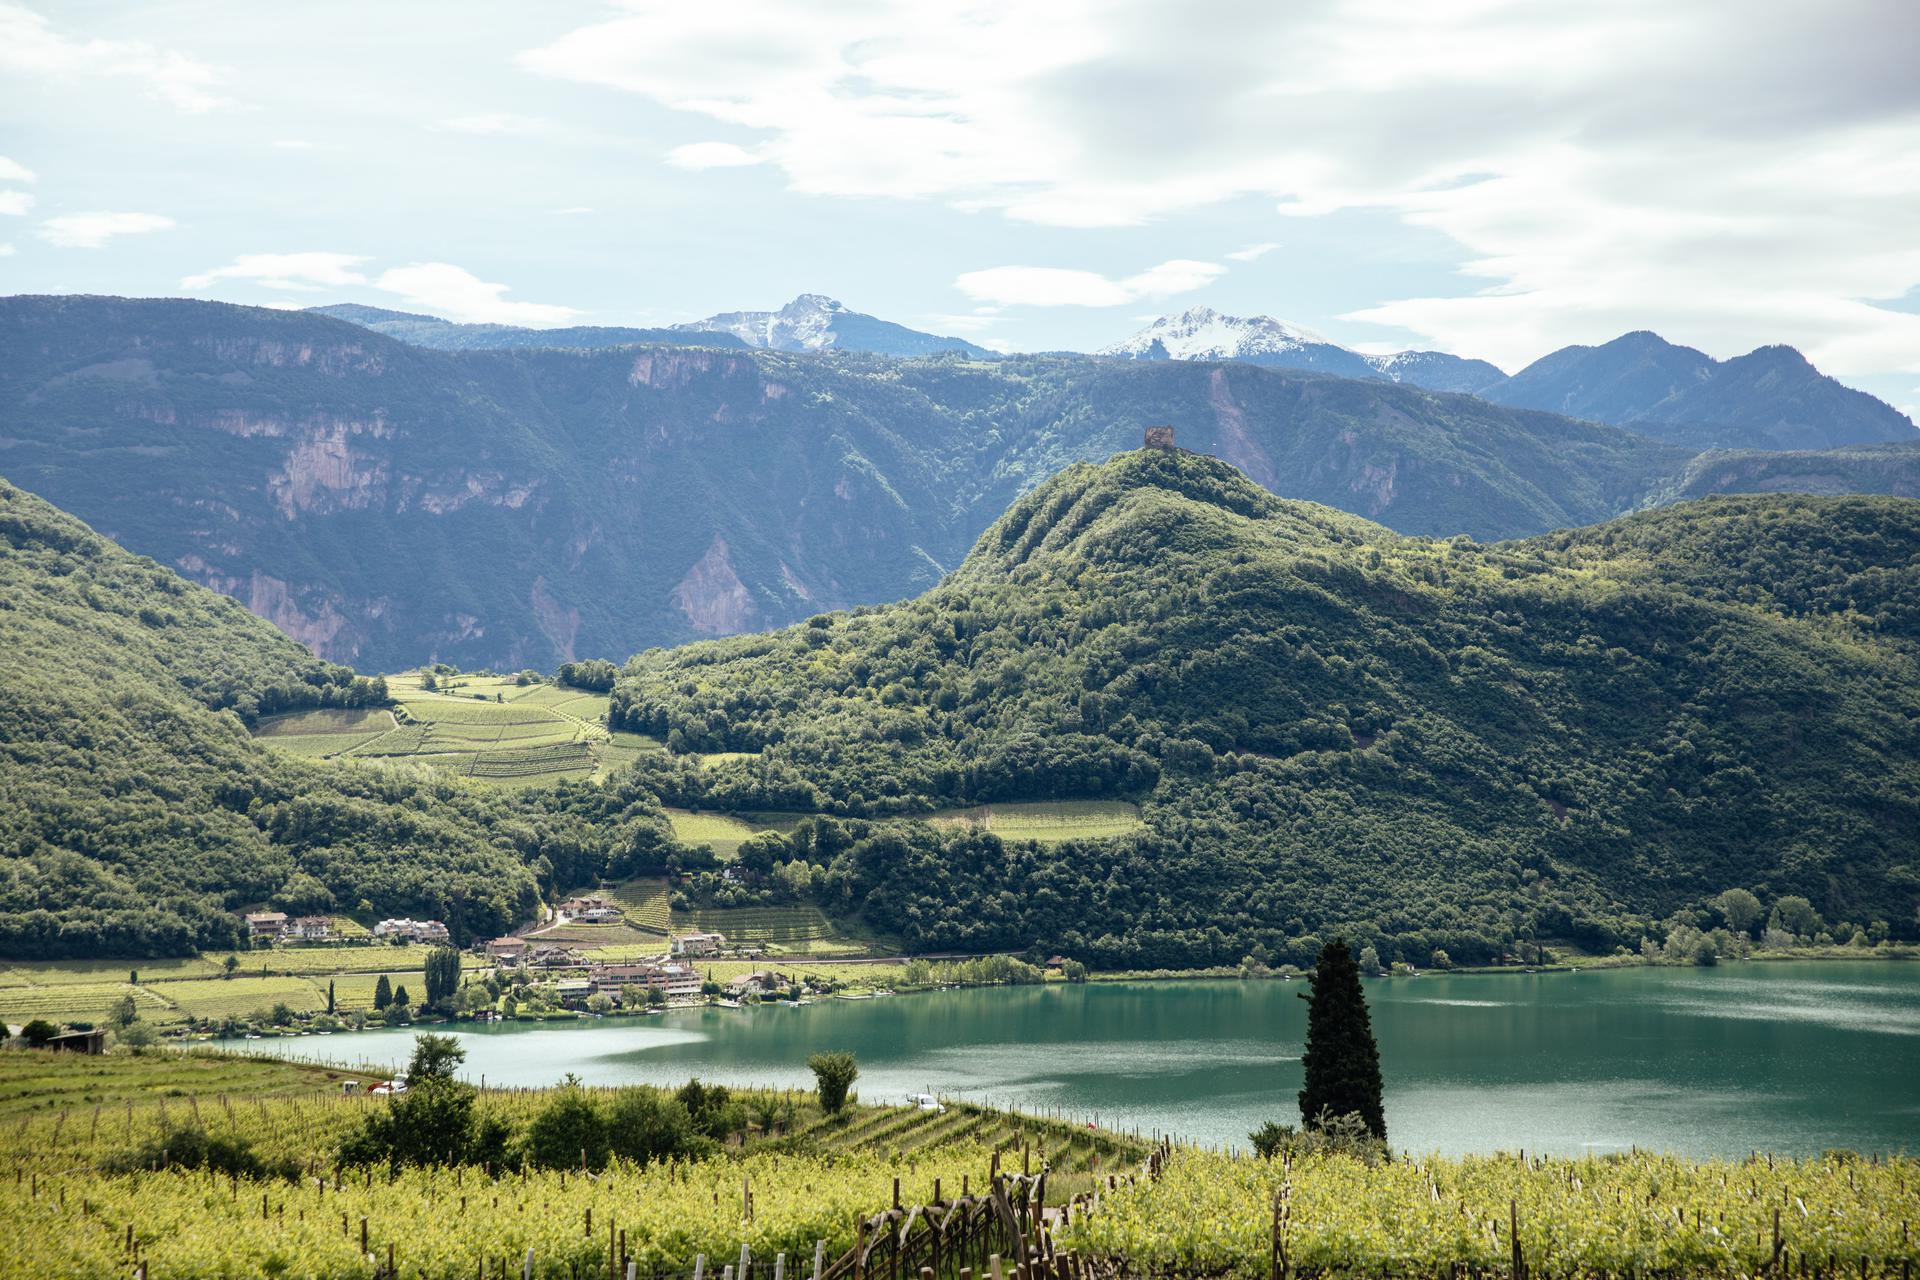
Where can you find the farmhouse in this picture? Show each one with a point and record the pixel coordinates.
(572, 992)
(266, 924)
(699, 944)
(405, 930)
(593, 909)
(757, 984)
(309, 929)
(507, 950)
(553, 958)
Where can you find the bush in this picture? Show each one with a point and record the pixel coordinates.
(570, 1132)
(834, 1074)
(191, 1147)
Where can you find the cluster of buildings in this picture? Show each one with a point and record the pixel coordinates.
(276, 926)
(404, 930)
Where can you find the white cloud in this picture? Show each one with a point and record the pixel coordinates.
(15, 204)
(494, 123)
(460, 295)
(7, 251)
(1254, 251)
(1728, 171)
(965, 322)
(1063, 287)
(292, 144)
(301, 272)
(93, 230)
(14, 171)
(712, 155)
(30, 44)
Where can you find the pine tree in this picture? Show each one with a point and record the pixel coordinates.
(329, 997)
(1342, 1062)
(382, 993)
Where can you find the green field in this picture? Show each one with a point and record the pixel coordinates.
(726, 831)
(487, 728)
(644, 903)
(792, 930)
(1047, 820)
(173, 991)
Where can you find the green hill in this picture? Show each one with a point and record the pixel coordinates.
(1329, 726)
(136, 815)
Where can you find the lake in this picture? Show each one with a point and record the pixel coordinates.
(1788, 1057)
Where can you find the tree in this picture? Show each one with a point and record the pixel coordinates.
(133, 977)
(833, 1073)
(1740, 909)
(435, 1058)
(1796, 915)
(329, 997)
(568, 1132)
(136, 1036)
(442, 974)
(38, 1032)
(382, 992)
(232, 962)
(124, 1012)
(1342, 1061)
(400, 996)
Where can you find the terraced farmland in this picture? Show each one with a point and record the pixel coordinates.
(644, 903)
(485, 727)
(1047, 820)
(792, 930)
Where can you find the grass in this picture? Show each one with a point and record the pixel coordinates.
(174, 991)
(1047, 821)
(41, 1082)
(727, 831)
(798, 930)
(487, 728)
(645, 903)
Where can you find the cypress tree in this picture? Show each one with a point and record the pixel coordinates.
(329, 997)
(382, 992)
(1342, 1062)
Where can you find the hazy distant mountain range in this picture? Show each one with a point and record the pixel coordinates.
(386, 502)
(811, 322)
(1770, 398)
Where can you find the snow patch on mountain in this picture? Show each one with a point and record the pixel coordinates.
(1201, 333)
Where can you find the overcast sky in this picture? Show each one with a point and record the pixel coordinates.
(1493, 179)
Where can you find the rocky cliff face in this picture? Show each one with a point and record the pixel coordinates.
(388, 504)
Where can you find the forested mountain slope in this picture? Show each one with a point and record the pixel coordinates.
(1333, 727)
(388, 504)
(135, 813)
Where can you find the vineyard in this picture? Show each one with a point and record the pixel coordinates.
(796, 1191)
(800, 929)
(726, 831)
(483, 727)
(817, 1185)
(1047, 821)
(1635, 1215)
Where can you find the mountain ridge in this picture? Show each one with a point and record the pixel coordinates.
(388, 504)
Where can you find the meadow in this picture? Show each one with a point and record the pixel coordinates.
(488, 728)
(1047, 821)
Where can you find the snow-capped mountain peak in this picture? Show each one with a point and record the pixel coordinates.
(815, 322)
(1201, 333)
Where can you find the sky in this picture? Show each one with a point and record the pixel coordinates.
(1491, 179)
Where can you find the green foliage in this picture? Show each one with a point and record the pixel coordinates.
(442, 974)
(1418, 745)
(1341, 1063)
(382, 992)
(833, 1074)
(189, 1146)
(38, 1032)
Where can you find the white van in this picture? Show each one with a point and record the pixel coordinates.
(924, 1101)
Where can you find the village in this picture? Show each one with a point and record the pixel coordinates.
(558, 973)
